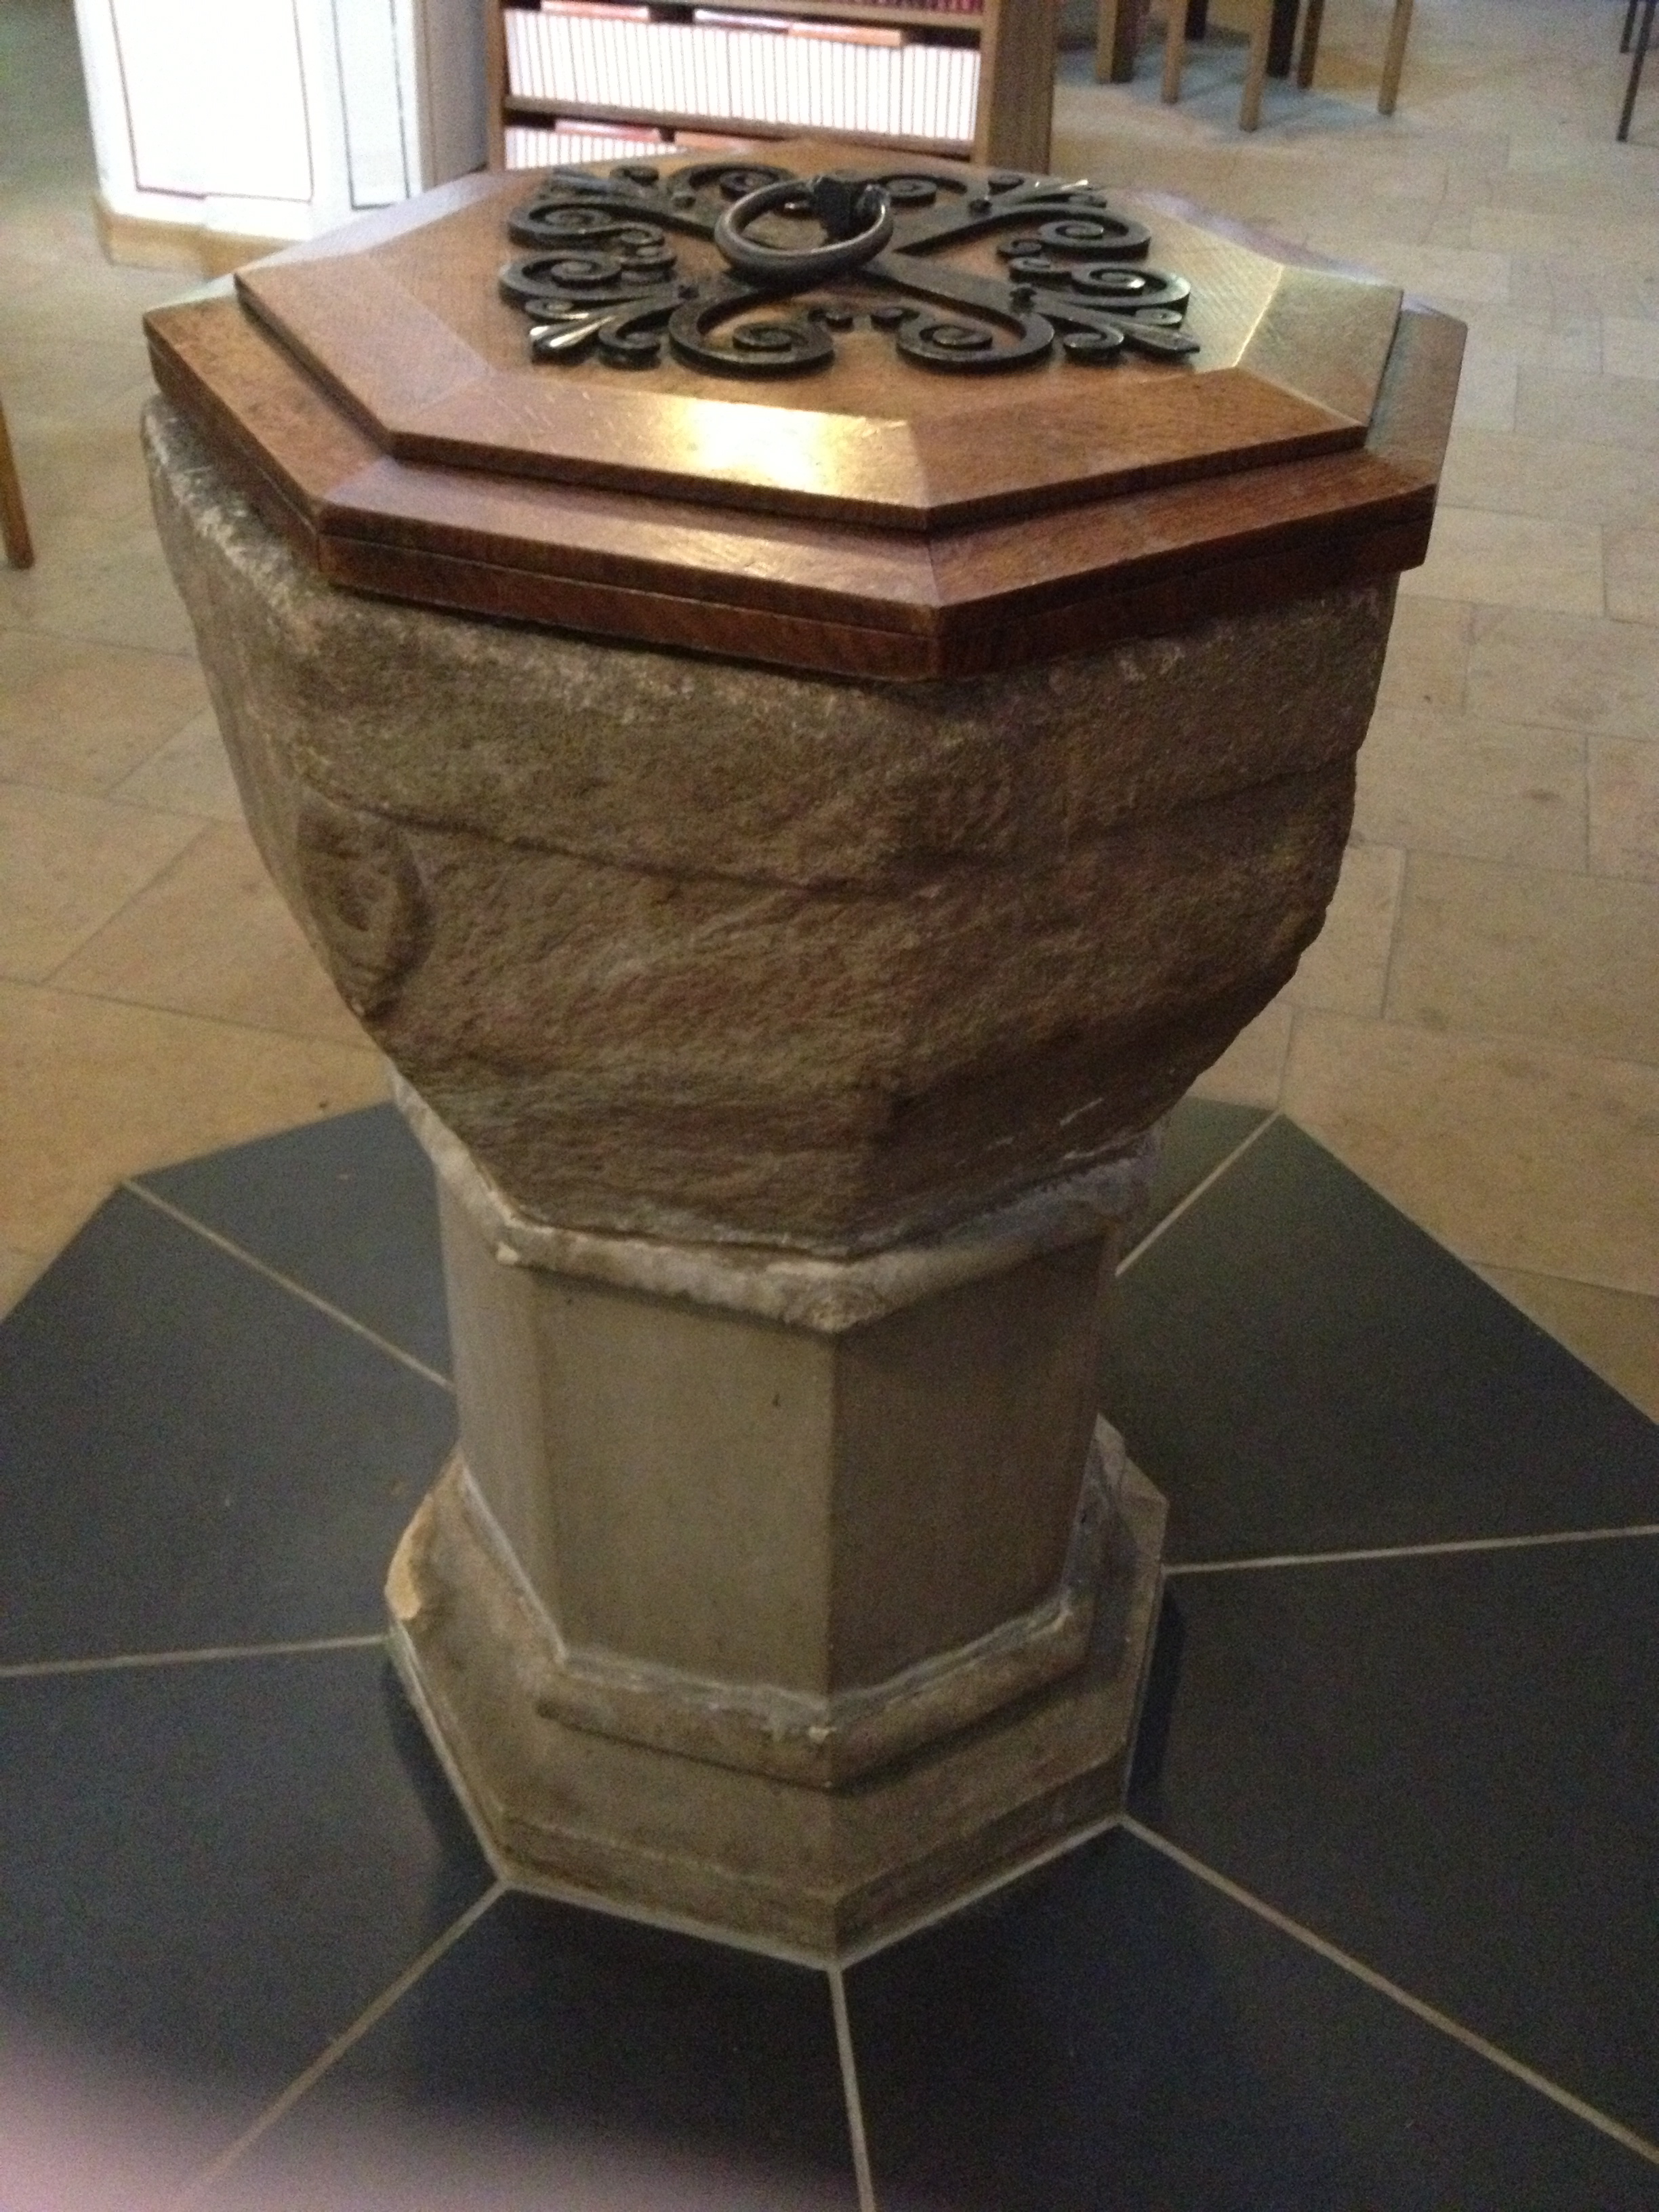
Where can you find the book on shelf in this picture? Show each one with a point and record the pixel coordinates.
(591, 57)
(575, 139)
(802, 26)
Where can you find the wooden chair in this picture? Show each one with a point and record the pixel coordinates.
(14, 523)
(1272, 30)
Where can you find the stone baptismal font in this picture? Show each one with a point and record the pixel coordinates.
(801, 706)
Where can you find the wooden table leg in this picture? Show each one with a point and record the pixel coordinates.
(1312, 23)
(1117, 37)
(14, 523)
(1175, 51)
(1261, 24)
(1395, 60)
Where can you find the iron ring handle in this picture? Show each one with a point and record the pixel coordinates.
(790, 267)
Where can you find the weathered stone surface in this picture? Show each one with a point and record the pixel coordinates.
(800, 1533)
(751, 1857)
(686, 947)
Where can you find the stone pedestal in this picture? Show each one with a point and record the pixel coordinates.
(787, 1599)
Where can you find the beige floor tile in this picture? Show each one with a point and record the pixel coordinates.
(67, 864)
(189, 775)
(211, 936)
(1364, 240)
(1509, 561)
(1564, 479)
(1633, 242)
(1249, 1071)
(1485, 391)
(118, 592)
(1528, 334)
(76, 507)
(1345, 967)
(1566, 671)
(1632, 566)
(17, 1271)
(1583, 184)
(1623, 808)
(1538, 160)
(1428, 656)
(79, 459)
(1595, 410)
(1585, 284)
(91, 1091)
(1629, 348)
(1526, 952)
(1081, 148)
(1443, 275)
(1515, 1154)
(1614, 1333)
(1275, 180)
(80, 717)
(1488, 791)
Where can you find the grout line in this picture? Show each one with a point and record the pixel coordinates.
(1402, 892)
(1004, 1878)
(287, 1282)
(49, 981)
(1427, 2013)
(27, 1670)
(193, 2194)
(849, 2083)
(1197, 1191)
(110, 998)
(1451, 1548)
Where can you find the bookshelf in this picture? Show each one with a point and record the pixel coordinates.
(595, 82)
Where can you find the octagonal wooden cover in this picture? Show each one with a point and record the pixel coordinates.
(399, 317)
(376, 394)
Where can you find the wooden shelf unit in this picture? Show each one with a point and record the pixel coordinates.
(1018, 40)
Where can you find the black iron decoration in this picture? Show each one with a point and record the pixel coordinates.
(604, 276)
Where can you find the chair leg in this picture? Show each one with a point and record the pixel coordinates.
(1629, 26)
(1106, 16)
(1642, 38)
(1395, 60)
(1261, 28)
(14, 523)
(1281, 43)
(1312, 24)
(1175, 51)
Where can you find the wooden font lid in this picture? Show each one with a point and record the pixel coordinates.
(980, 434)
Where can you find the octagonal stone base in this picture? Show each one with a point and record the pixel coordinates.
(820, 1875)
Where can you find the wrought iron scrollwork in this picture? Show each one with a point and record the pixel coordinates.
(604, 275)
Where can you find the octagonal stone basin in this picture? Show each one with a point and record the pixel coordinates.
(700, 948)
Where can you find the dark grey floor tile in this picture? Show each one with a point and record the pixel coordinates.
(1299, 1368)
(190, 1455)
(207, 1871)
(1113, 2036)
(1449, 1767)
(344, 1206)
(1199, 1136)
(555, 2057)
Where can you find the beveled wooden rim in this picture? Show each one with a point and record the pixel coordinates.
(845, 600)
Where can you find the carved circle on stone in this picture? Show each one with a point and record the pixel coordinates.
(363, 891)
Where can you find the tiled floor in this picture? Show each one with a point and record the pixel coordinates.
(1474, 1032)
(1380, 1934)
